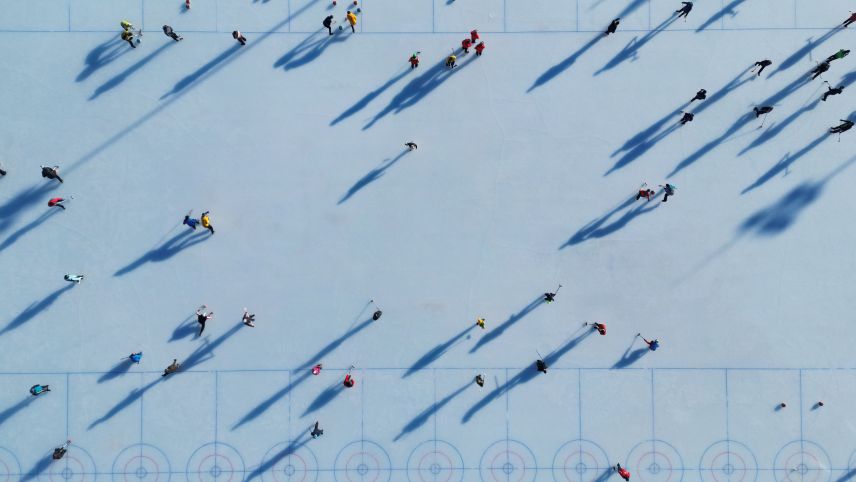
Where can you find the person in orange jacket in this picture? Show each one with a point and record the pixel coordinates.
(479, 48)
(352, 19)
(466, 44)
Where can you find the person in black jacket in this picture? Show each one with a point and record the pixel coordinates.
(51, 172)
(612, 26)
(328, 22)
(169, 32)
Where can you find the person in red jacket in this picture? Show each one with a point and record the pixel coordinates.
(414, 61)
(600, 327)
(646, 193)
(479, 48)
(850, 19)
(474, 35)
(349, 381)
(466, 44)
(57, 201)
(624, 473)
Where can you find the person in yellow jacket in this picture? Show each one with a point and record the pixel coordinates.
(352, 19)
(206, 223)
(128, 36)
(450, 61)
(126, 25)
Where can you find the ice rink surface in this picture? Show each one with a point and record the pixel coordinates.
(529, 158)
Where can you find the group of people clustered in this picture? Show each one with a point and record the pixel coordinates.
(133, 37)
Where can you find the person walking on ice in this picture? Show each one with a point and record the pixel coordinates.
(74, 278)
(414, 60)
(466, 44)
(249, 319)
(128, 36)
(850, 19)
(136, 357)
(685, 10)
(700, 95)
(202, 317)
(687, 117)
(172, 368)
(551, 297)
(652, 344)
(450, 61)
(411, 145)
(352, 20)
(316, 369)
(759, 111)
(56, 202)
(349, 380)
(190, 222)
(206, 222)
(600, 327)
(624, 473)
(838, 55)
(541, 366)
(763, 64)
(613, 26)
(843, 127)
(820, 69)
(645, 192)
(474, 35)
(480, 323)
(60, 451)
(51, 173)
(169, 32)
(668, 190)
(479, 380)
(39, 389)
(328, 24)
(237, 35)
(316, 431)
(479, 49)
(831, 91)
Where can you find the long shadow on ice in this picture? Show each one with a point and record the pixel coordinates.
(631, 50)
(325, 397)
(304, 373)
(514, 318)
(524, 376)
(562, 66)
(35, 472)
(598, 228)
(805, 50)
(425, 415)
(15, 206)
(35, 308)
(362, 103)
(130, 399)
(122, 76)
(181, 241)
(372, 176)
(14, 237)
(726, 10)
(186, 329)
(630, 357)
(435, 353)
(784, 163)
(308, 50)
(11, 411)
(269, 464)
(420, 87)
(199, 73)
(102, 55)
(117, 371)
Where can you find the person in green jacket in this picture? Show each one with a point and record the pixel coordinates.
(838, 55)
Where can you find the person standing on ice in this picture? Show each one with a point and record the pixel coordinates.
(128, 36)
(645, 192)
(687, 117)
(838, 55)
(652, 344)
(316, 432)
(600, 327)
(541, 366)
(480, 380)
(51, 172)
(414, 61)
(831, 91)
(700, 95)
(551, 297)
(328, 24)
(57, 201)
(763, 64)
(624, 473)
(206, 223)
(136, 357)
(349, 381)
(450, 61)
(613, 26)
(759, 111)
(843, 127)
(466, 44)
(316, 369)
(479, 49)
(169, 32)
(75, 278)
(237, 35)
(249, 319)
(191, 222)
(669, 190)
(39, 389)
(202, 317)
(850, 19)
(685, 10)
(60, 451)
(352, 20)
(172, 368)
(474, 35)
(821, 68)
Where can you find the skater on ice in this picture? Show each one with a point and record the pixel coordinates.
(479, 49)
(56, 202)
(169, 32)
(600, 327)
(316, 432)
(685, 10)
(613, 26)
(202, 317)
(480, 323)
(687, 117)
(249, 319)
(450, 61)
(843, 127)
(349, 381)
(60, 451)
(136, 357)
(652, 344)
(128, 36)
(838, 55)
(206, 222)
(541, 366)
(668, 190)
(700, 95)
(759, 111)
(352, 20)
(474, 35)
(411, 145)
(466, 44)
(74, 278)
(237, 35)
(763, 64)
(172, 368)
(316, 369)
(821, 68)
(414, 60)
(328, 24)
(480, 380)
(51, 172)
(190, 222)
(850, 19)
(645, 192)
(831, 91)
(39, 389)
(550, 297)
(624, 473)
